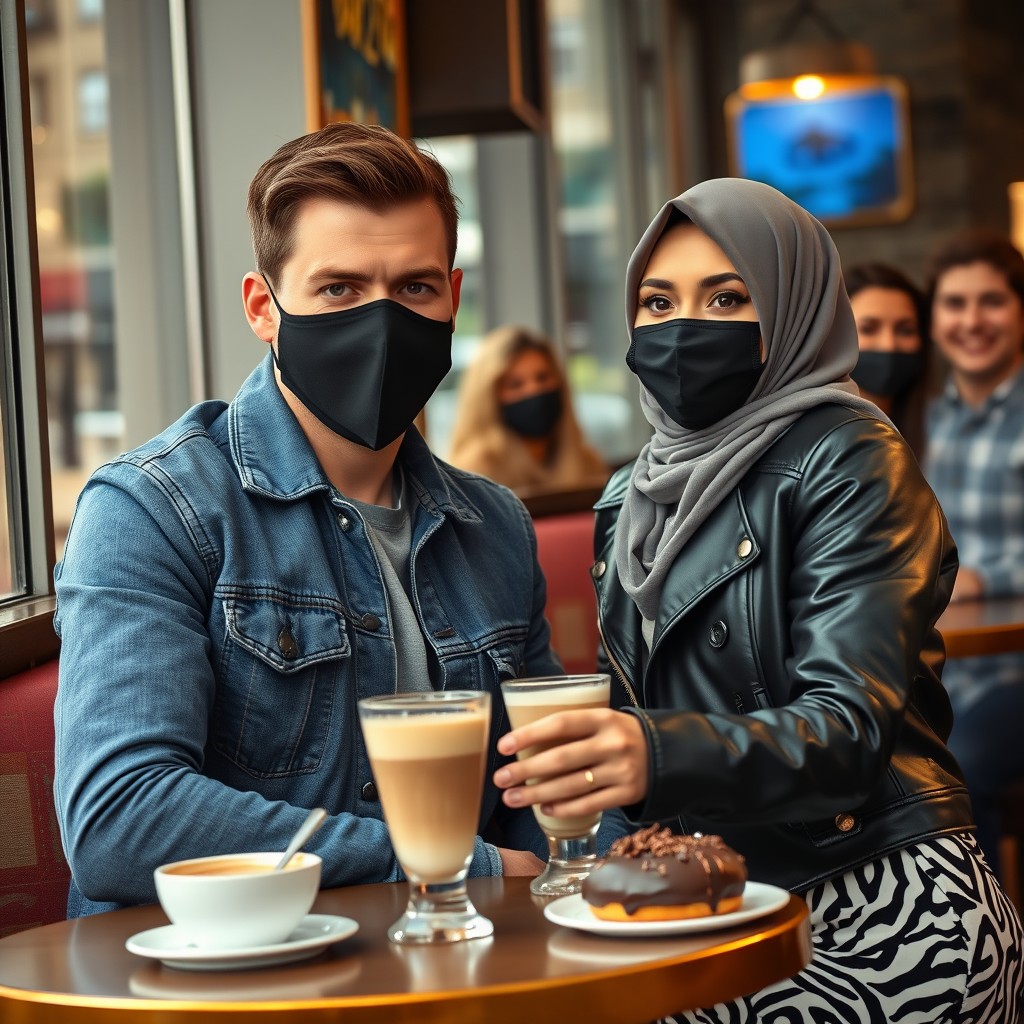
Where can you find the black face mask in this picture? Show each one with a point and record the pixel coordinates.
(698, 370)
(888, 374)
(535, 416)
(364, 372)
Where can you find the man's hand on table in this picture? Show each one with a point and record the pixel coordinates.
(520, 862)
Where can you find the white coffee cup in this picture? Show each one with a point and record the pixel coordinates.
(237, 900)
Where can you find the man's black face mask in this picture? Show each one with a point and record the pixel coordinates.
(364, 372)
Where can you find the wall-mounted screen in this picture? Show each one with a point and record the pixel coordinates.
(844, 156)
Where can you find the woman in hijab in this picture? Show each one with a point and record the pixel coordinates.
(514, 422)
(769, 575)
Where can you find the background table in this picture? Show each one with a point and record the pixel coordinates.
(530, 970)
(988, 626)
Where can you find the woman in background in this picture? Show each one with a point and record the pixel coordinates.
(514, 421)
(893, 367)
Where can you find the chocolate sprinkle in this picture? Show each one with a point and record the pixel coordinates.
(657, 841)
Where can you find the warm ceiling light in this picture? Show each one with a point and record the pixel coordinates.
(778, 68)
(808, 87)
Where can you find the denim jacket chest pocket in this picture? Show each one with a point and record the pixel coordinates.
(280, 666)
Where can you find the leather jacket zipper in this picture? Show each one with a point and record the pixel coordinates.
(615, 665)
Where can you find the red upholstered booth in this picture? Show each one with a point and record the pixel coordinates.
(33, 873)
(565, 548)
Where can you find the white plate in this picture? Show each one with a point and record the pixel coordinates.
(759, 899)
(313, 933)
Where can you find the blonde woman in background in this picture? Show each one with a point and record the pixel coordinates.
(514, 421)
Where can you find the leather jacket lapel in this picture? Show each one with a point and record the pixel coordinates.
(724, 545)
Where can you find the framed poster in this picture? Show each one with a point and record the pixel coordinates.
(844, 155)
(355, 63)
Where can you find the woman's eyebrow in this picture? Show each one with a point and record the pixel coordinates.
(704, 282)
(710, 282)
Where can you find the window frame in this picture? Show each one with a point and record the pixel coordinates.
(27, 635)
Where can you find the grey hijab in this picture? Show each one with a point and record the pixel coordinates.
(791, 268)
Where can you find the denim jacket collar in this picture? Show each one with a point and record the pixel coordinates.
(275, 459)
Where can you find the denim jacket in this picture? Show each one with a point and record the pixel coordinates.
(221, 609)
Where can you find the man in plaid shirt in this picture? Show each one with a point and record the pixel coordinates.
(975, 464)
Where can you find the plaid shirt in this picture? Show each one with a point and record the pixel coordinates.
(975, 465)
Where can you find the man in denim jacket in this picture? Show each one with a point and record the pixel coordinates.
(231, 588)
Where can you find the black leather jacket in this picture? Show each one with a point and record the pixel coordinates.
(791, 697)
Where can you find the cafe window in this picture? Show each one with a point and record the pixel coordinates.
(26, 547)
(70, 262)
(76, 259)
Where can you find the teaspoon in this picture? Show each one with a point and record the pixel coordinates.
(313, 821)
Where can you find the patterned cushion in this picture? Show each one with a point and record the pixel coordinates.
(565, 548)
(33, 873)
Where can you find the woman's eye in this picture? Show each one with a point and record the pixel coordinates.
(728, 300)
(656, 304)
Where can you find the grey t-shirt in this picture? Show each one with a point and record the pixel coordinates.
(390, 532)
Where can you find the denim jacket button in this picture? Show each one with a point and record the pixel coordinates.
(344, 522)
(370, 792)
(286, 644)
(370, 621)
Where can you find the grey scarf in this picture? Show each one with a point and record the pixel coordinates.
(791, 268)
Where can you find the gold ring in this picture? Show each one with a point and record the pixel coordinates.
(589, 776)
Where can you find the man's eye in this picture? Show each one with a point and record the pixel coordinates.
(335, 291)
(418, 288)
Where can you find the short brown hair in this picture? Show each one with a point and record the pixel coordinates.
(978, 245)
(363, 164)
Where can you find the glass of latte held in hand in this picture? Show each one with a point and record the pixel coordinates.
(427, 752)
(572, 845)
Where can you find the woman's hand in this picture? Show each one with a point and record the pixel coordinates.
(589, 761)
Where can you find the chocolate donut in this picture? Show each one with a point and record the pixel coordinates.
(654, 875)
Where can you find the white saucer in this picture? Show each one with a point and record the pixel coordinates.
(313, 933)
(759, 899)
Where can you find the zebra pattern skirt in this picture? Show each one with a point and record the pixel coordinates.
(925, 935)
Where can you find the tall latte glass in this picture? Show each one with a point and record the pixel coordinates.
(572, 845)
(427, 752)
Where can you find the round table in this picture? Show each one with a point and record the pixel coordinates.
(530, 969)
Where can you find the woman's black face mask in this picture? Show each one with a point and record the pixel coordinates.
(535, 416)
(699, 371)
(888, 374)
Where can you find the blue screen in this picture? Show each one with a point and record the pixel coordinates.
(837, 156)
